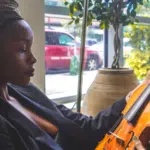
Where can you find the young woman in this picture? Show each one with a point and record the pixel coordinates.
(28, 119)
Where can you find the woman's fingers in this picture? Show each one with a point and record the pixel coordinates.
(138, 144)
(128, 96)
(131, 92)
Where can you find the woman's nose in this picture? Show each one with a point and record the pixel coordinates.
(32, 59)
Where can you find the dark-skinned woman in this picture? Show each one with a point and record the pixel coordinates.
(28, 119)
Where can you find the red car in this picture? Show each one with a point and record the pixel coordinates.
(61, 46)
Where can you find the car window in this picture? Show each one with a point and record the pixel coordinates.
(51, 38)
(65, 39)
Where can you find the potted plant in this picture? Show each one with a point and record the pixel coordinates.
(108, 13)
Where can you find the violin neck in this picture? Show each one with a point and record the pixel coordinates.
(136, 110)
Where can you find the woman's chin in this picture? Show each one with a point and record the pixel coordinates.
(21, 83)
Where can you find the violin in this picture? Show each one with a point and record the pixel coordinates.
(135, 121)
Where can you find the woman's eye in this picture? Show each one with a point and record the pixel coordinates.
(22, 50)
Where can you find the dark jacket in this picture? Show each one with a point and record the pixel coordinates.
(76, 131)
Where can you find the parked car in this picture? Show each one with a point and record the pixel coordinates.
(61, 47)
(99, 46)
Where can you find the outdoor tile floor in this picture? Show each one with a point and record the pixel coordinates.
(64, 85)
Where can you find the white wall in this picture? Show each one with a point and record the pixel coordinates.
(33, 13)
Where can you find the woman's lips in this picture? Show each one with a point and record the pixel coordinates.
(30, 73)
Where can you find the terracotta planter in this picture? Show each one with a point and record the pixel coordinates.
(108, 86)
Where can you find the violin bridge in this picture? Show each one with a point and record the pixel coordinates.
(118, 139)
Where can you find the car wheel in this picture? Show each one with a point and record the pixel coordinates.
(92, 64)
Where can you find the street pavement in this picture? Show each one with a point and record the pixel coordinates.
(62, 86)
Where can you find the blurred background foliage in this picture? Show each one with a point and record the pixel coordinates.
(144, 10)
(139, 57)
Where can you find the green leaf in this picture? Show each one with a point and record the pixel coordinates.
(133, 13)
(127, 22)
(102, 25)
(80, 6)
(71, 15)
(136, 20)
(77, 21)
(70, 22)
(66, 3)
(129, 8)
(140, 2)
(71, 8)
(98, 18)
(80, 15)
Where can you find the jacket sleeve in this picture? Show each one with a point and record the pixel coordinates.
(99, 125)
(5, 141)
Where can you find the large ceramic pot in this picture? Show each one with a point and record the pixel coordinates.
(108, 86)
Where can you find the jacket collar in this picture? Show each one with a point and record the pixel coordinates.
(25, 126)
(32, 98)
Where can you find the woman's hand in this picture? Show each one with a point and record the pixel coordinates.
(138, 144)
(131, 92)
(128, 96)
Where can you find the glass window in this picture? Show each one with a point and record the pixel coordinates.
(65, 40)
(51, 2)
(62, 61)
(56, 2)
(51, 38)
(62, 52)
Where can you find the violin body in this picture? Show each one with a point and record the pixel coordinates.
(135, 122)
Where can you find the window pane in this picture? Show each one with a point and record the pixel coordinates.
(65, 39)
(51, 38)
(55, 2)
(62, 53)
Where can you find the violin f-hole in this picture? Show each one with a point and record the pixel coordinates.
(131, 132)
(120, 141)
